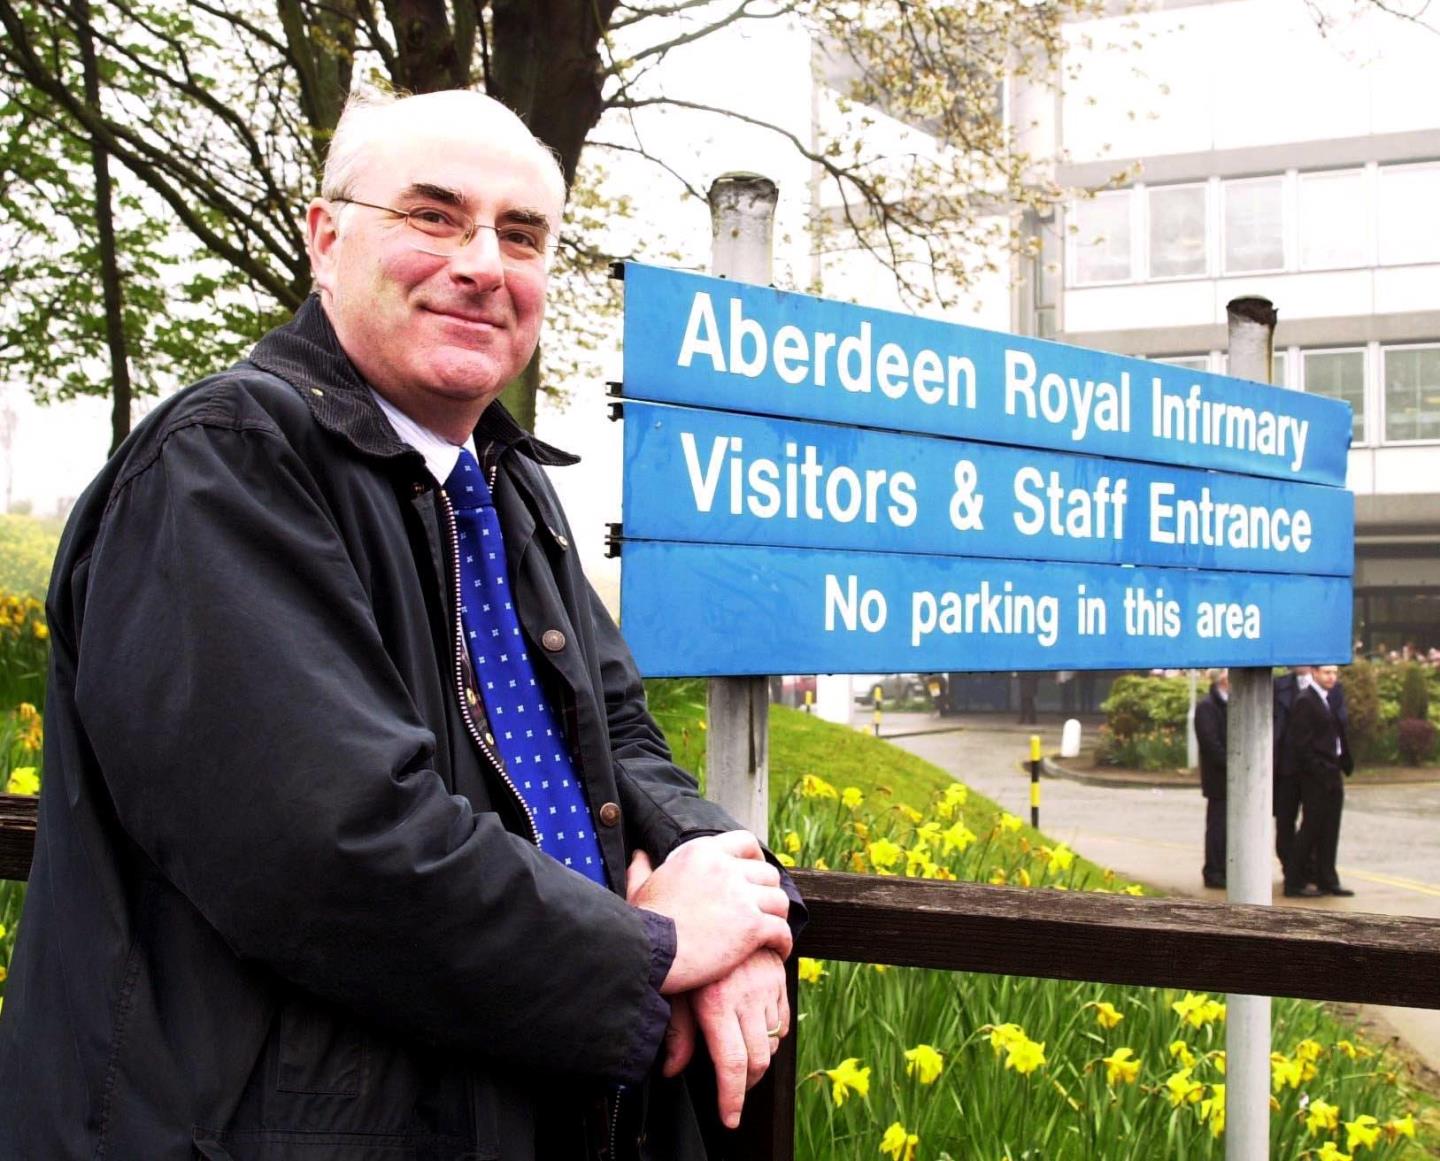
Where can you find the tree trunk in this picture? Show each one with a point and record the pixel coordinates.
(105, 228)
(520, 393)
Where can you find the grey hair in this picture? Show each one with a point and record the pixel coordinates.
(355, 131)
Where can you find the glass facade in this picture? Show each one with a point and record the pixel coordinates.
(1339, 375)
(1177, 231)
(1254, 225)
(1102, 238)
(1412, 392)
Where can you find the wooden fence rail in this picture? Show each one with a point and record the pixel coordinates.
(1119, 939)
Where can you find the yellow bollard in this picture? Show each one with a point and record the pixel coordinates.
(1035, 781)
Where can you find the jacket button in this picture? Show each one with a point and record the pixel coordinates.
(609, 814)
(553, 640)
(559, 539)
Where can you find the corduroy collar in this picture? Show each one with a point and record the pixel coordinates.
(306, 353)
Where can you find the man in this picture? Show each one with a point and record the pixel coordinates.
(1319, 754)
(296, 891)
(1211, 731)
(1286, 801)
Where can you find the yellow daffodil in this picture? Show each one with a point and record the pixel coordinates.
(917, 862)
(1218, 1059)
(821, 864)
(852, 797)
(784, 860)
(923, 1063)
(1197, 1011)
(1308, 1050)
(847, 1077)
(998, 877)
(1024, 1055)
(1354, 1051)
(928, 835)
(42, 630)
(813, 786)
(1106, 1014)
(1322, 1117)
(810, 970)
(792, 842)
(858, 863)
(880, 968)
(1212, 1110)
(1180, 1089)
(1009, 821)
(24, 780)
(898, 1143)
(1003, 1034)
(884, 853)
(1022, 877)
(1284, 1072)
(1062, 857)
(1181, 1051)
(1133, 889)
(862, 830)
(1404, 1127)
(952, 799)
(1363, 1130)
(909, 813)
(1121, 1067)
(1330, 1151)
(939, 871)
(957, 837)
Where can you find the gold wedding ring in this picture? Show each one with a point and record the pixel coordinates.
(774, 1033)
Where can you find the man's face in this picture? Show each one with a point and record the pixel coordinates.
(437, 336)
(1325, 676)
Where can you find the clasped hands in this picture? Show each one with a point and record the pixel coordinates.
(727, 981)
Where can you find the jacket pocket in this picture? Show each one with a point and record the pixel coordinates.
(321, 1054)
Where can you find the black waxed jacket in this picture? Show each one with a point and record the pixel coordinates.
(280, 908)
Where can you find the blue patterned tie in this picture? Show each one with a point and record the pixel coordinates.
(526, 729)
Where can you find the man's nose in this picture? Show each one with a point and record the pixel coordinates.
(479, 260)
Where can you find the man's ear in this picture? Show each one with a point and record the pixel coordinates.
(322, 235)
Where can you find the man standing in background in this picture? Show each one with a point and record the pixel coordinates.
(1212, 718)
(1319, 755)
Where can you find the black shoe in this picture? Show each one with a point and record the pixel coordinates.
(1339, 892)
(1309, 891)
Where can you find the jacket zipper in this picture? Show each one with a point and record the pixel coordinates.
(460, 685)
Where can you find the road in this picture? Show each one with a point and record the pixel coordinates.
(1389, 840)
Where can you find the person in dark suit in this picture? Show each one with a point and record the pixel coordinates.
(1319, 754)
(1287, 786)
(1211, 731)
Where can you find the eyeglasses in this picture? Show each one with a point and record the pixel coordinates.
(444, 232)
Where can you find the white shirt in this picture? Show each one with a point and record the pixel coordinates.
(440, 454)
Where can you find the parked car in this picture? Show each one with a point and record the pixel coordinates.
(891, 686)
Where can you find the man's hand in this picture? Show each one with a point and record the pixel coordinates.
(724, 899)
(736, 1015)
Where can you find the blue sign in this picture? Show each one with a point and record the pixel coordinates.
(719, 477)
(708, 342)
(701, 610)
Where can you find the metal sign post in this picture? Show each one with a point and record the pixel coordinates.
(737, 747)
(1248, 794)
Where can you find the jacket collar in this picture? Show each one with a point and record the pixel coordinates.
(306, 353)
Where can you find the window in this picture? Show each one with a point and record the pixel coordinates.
(1409, 225)
(1412, 392)
(1102, 238)
(1339, 375)
(1177, 231)
(1332, 221)
(1254, 237)
(1188, 362)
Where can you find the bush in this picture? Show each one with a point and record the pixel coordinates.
(1414, 693)
(1415, 740)
(1362, 696)
(1142, 705)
